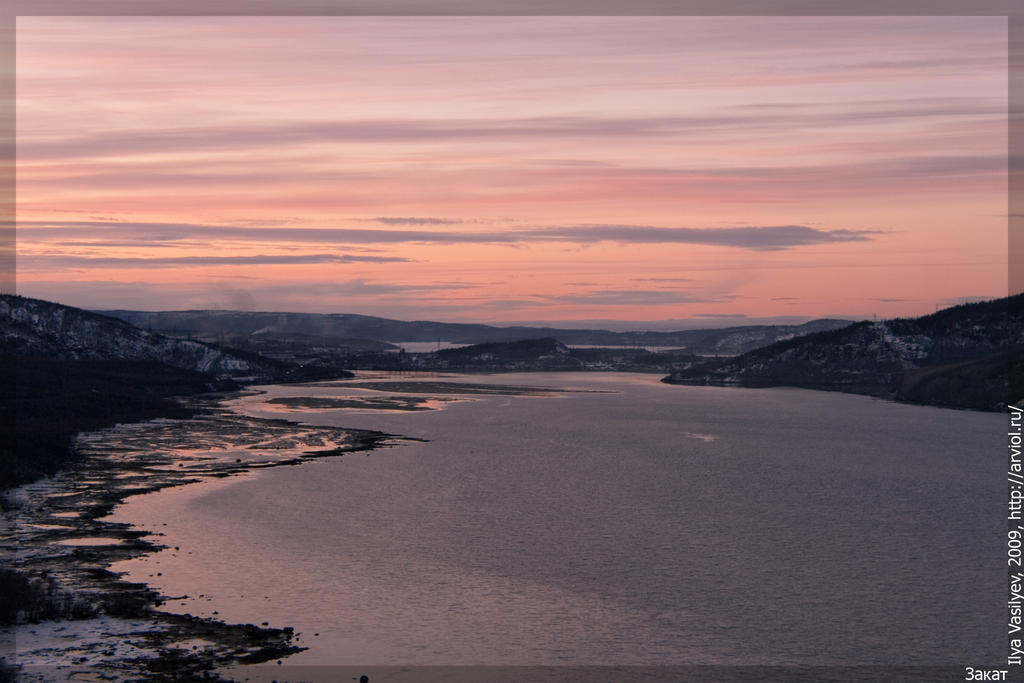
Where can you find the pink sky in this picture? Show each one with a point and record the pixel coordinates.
(513, 168)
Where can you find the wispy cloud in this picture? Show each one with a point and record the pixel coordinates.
(48, 261)
(356, 295)
(634, 297)
(761, 238)
(221, 138)
(766, 238)
(454, 130)
(359, 287)
(413, 220)
(474, 183)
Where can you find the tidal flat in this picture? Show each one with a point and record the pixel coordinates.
(76, 617)
(359, 402)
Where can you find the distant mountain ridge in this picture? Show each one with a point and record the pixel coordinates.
(243, 328)
(964, 356)
(32, 327)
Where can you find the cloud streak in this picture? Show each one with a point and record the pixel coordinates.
(47, 261)
(359, 287)
(755, 238)
(634, 297)
(764, 238)
(413, 220)
(478, 183)
(456, 130)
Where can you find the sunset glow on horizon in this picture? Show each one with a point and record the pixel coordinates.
(501, 169)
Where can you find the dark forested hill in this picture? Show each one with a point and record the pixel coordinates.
(959, 356)
(64, 370)
(546, 354)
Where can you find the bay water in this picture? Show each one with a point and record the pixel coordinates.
(627, 522)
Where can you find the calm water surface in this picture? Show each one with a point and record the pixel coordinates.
(642, 524)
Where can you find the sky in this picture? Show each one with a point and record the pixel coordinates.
(505, 169)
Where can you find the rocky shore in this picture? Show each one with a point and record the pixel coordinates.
(67, 616)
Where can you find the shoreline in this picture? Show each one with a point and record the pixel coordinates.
(61, 547)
